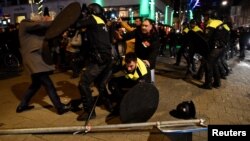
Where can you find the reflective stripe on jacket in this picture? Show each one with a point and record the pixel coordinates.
(186, 30)
(197, 29)
(140, 71)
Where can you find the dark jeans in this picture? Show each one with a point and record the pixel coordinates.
(38, 80)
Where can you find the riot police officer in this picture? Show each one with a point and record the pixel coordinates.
(216, 33)
(98, 68)
(198, 49)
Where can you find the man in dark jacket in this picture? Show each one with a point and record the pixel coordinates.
(147, 43)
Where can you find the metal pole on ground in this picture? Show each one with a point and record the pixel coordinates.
(194, 124)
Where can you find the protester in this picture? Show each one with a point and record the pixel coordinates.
(32, 40)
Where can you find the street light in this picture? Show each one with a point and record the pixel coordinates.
(224, 3)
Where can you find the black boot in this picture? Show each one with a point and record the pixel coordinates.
(104, 97)
(88, 107)
(84, 116)
(88, 103)
(107, 103)
(206, 86)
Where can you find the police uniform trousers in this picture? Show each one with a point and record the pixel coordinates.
(99, 74)
(212, 74)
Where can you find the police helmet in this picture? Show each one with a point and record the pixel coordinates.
(95, 9)
(184, 110)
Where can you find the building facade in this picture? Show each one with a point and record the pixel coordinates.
(15, 13)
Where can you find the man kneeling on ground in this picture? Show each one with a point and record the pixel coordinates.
(134, 71)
